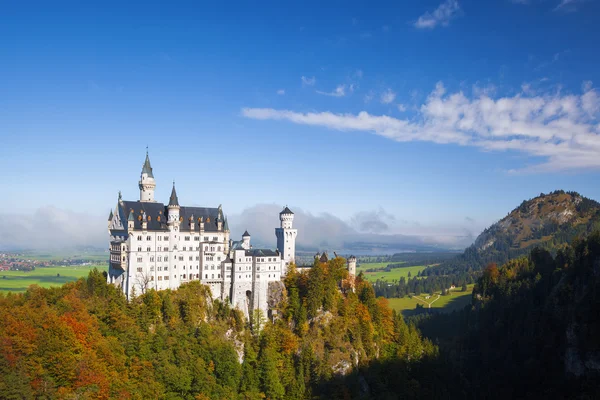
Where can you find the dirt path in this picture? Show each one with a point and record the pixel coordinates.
(429, 304)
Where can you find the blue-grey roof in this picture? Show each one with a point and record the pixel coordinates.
(110, 216)
(246, 234)
(147, 168)
(261, 253)
(173, 200)
(286, 210)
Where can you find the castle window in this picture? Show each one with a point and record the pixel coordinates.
(184, 275)
(184, 248)
(219, 276)
(159, 258)
(206, 238)
(139, 259)
(180, 258)
(159, 248)
(197, 258)
(151, 259)
(140, 269)
(160, 278)
(187, 239)
(219, 248)
(197, 238)
(205, 248)
(148, 237)
(166, 268)
(152, 278)
(197, 248)
(159, 268)
(148, 248)
(159, 238)
(166, 238)
(139, 237)
(206, 276)
(215, 238)
(167, 278)
(184, 267)
(197, 276)
(191, 257)
(139, 248)
(212, 276)
(166, 249)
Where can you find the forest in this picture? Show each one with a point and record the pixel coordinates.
(532, 330)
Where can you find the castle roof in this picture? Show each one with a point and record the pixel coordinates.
(110, 216)
(157, 213)
(226, 225)
(261, 253)
(147, 168)
(286, 210)
(246, 234)
(173, 201)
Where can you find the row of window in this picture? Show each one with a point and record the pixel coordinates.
(186, 238)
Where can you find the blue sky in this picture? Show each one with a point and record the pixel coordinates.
(437, 115)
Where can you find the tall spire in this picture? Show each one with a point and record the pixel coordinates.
(173, 201)
(147, 168)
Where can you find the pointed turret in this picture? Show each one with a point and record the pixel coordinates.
(173, 201)
(147, 168)
(110, 216)
(226, 225)
(131, 216)
(147, 183)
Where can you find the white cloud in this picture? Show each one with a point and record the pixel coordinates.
(308, 81)
(339, 91)
(369, 96)
(52, 228)
(440, 16)
(281, 92)
(568, 5)
(563, 129)
(401, 107)
(388, 96)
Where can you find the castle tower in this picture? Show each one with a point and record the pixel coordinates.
(286, 236)
(147, 183)
(352, 266)
(173, 209)
(246, 240)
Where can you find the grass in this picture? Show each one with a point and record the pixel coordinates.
(393, 275)
(456, 300)
(58, 256)
(19, 281)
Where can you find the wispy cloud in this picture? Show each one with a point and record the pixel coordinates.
(339, 91)
(562, 129)
(387, 97)
(401, 107)
(442, 15)
(281, 92)
(568, 5)
(306, 81)
(369, 96)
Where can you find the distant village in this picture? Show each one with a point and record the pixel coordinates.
(24, 262)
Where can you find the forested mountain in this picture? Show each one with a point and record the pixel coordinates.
(84, 340)
(547, 221)
(533, 330)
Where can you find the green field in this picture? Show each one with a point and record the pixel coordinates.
(393, 275)
(456, 300)
(18, 281)
(58, 256)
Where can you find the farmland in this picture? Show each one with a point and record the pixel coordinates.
(392, 275)
(18, 281)
(456, 300)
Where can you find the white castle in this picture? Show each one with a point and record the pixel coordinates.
(157, 246)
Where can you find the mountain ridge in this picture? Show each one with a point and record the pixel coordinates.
(548, 221)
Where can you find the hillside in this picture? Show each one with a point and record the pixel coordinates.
(533, 328)
(84, 340)
(548, 221)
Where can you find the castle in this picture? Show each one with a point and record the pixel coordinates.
(158, 246)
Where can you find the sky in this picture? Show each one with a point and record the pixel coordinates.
(427, 118)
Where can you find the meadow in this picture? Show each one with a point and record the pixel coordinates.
(456, 300)
(392, 275)
(19, 281)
